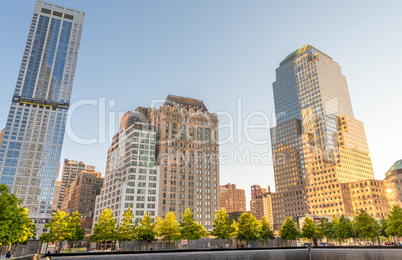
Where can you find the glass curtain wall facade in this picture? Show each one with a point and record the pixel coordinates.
(31, 147)
(317, 144)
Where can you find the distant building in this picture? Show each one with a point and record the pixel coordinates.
(393, 184)
(1, 135)
(80, 196)
(233, 200)
(57, 189)
(71, 169)
(131, 178)
(261, 203)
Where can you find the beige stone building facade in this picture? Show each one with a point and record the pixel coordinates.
(188, 155)
(369, 195)
(233, 200)
(71, 168)
(317, 144)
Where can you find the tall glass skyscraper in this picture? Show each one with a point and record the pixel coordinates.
(33, 138)
(317, 143)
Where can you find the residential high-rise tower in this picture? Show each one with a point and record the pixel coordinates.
(131, 178)
(317, 143)
(233, 200)
(31, 146)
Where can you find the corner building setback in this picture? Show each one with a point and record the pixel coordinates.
(317, 143)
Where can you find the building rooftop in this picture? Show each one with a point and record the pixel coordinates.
(396, 167)
(300, 51)
(186, 102)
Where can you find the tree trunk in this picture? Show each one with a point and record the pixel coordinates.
(15, 250)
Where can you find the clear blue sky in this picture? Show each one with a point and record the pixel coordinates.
(217, 51)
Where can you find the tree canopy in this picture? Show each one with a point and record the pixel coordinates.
(57, 228)
(224, 227)
(189, 228)
(394, 223)
(105, 228)
(365, 225)
(266, 231)
(248, 227)
(15, 225)
(168, 228)
(309, 229)
(74, 231)
(344, 229)
(128, 228)
(146, 230)
(289, 231)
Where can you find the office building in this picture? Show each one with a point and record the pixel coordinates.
(55, 203)
(188, 155)
(233, 200)
(317, 143)
(131, 178)
(71, 168)
(369, 195)
(393, 184)
(261, 203)
(80, 196)
(33, 138)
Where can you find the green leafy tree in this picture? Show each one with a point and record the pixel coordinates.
(266, 231)
(309, 229)
(128, 228)
(224, 227)
(189, 228)
(105, 228)
(331, 231)
(146, 229)
(383, 224)
(168, 228)
(249, 228)
(366, 226)
(335, 221)
(326, 229)
(345, 229)
(289, 231)
(74, 231)
(15, 225)
(58, 227)
(394, 222)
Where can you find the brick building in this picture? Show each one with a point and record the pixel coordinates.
(233, 200)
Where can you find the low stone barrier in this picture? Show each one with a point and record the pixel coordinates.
(292, 253)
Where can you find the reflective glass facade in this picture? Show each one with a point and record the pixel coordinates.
(317, 144)
(33, 138)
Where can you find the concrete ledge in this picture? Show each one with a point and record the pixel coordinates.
(279, 254)
(291, 253)
(356, 254)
